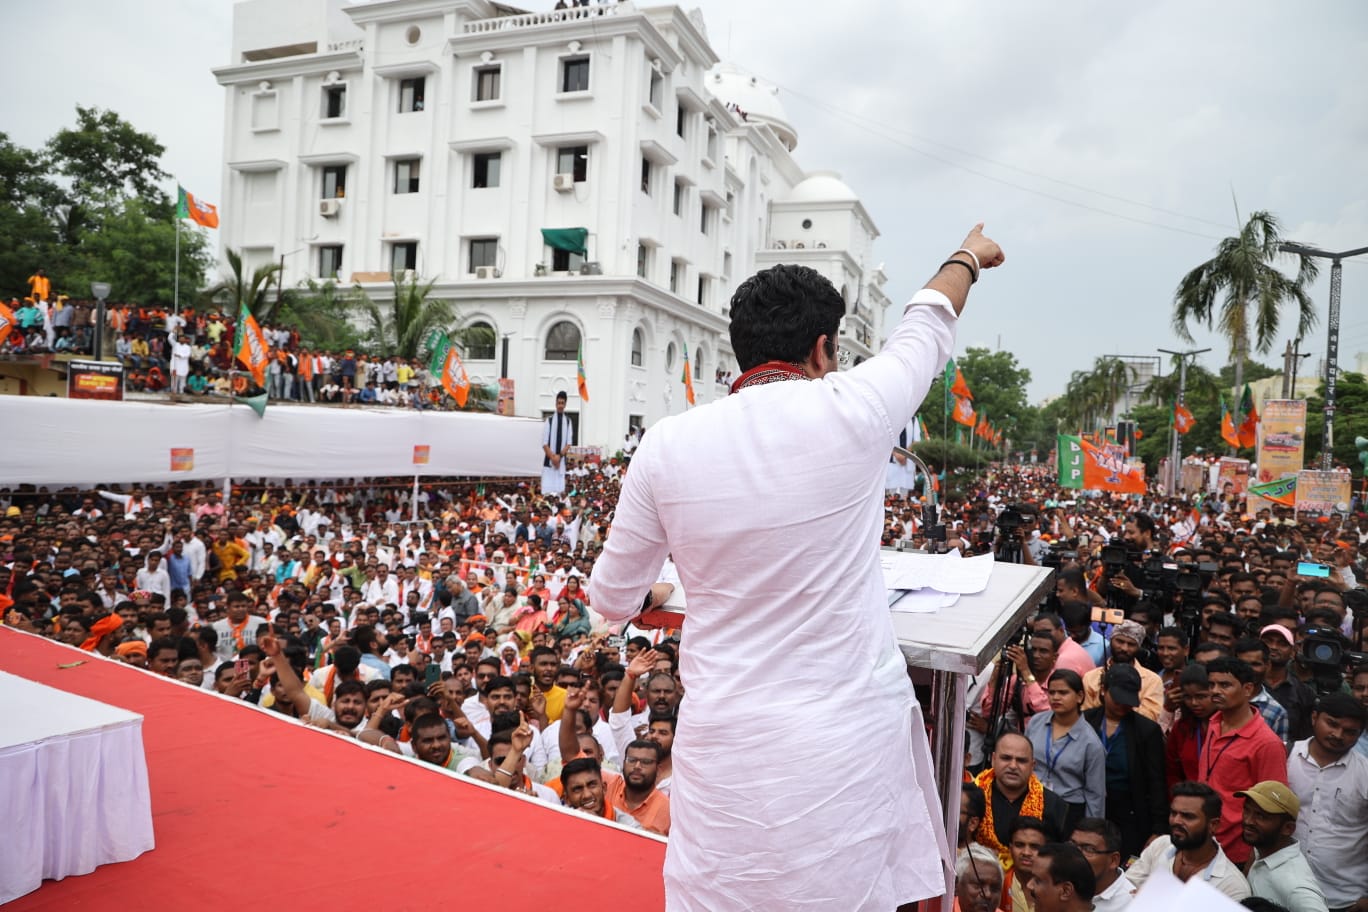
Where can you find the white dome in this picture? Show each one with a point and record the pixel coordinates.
(822, 187)
(757, 99)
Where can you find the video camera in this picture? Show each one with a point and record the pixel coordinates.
(1327, 648)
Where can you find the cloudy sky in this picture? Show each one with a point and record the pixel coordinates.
(1101, 143)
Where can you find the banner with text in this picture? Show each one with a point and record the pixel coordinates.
(1097, 468)
(95, 380)
(1322, 493)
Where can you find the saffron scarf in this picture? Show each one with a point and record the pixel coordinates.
(1033, 806)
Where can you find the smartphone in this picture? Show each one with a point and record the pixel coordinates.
(614, 642)
(1306, 568)
(242, 668)
(1108, 615)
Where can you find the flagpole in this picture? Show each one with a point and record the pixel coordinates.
(175, 294)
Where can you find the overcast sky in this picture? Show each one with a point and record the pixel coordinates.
(1099, 142)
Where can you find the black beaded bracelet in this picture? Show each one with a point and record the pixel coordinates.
(973, 276)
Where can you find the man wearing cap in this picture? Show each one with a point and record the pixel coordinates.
(1330, 780)
(1279, 871)
(1134, 746)
(1126, 640)
(558, 435)
(1296, 696)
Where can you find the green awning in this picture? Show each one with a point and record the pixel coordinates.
(571, 240)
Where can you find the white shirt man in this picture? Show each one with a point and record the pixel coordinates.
(194, 550)
(1331, 781)
(154, 578)
(722, 488)
(558, 435)
(382, 590)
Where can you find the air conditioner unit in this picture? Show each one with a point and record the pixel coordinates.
(591, 267)
(563, 183)
(486, 272)
(329, 208)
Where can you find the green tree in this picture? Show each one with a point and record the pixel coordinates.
(323, 314)
(238, 289)
(28, 234)
(998, 383)
(104, 157)
(1242, 292)
(1351, 420)
(405, 325)
(135, 253)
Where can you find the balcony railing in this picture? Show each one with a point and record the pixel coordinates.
(553, 17)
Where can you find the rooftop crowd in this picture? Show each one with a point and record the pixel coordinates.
(1157, 713)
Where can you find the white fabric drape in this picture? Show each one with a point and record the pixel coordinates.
(73, 786)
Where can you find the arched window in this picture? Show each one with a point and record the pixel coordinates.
(638, 347)
(671, 351)
(562, 342)
(699, 354)
(480, 341)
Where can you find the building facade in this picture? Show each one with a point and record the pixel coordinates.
(586, 178)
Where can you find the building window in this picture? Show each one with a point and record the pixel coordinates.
(483, 252)
(485, 168)
(565, 261)
(645, 175)
(411, 94)
(731, 204)
(643, 260)
(671, 352)
(703, 291)
(698, 363)
(726, 264)
(334, 102)
(657, 89)
(562, 342)
(488, 81)
(334, 181)
(574, 74)
(406, 175)
(681, 192)
(705, 221)
(403, 255)
(676, 275)
(479, 341)
(329, 261)
(573, 160)
(712, 143)
(682, 121)
(638, 347)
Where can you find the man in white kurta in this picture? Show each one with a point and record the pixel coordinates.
(558, 435)
(801, 768)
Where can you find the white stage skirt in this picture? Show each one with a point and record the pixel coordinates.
(73, 786)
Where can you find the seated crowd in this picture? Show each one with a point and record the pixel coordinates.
(1190, 733)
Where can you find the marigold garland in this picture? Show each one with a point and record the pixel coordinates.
(1033, 806)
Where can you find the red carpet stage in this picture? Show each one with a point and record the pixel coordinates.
(251, 810)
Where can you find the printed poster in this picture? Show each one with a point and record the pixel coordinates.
(1322, 493)
(422, 455)
(182, 459)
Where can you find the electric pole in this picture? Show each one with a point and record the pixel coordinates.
(1176, 455)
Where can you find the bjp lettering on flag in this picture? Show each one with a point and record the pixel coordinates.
(1083, 465)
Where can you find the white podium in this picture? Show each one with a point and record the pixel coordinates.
(73, 786)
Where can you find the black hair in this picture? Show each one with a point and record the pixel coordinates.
(1101, 826)
(349, 687)
(347, 658)
(1032, 823)
(1211, 799)
(1068, 864)
(577, 766)
(1194, 674)
(778, 313)
(499, 682)
(1341, 705)
(1144, 522)
(1240, 671)
(971, 796)
(1251, 644)
(1177, 633)
(642, 744)
(1068, 676)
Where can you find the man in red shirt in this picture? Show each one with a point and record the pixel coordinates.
(1239, 749)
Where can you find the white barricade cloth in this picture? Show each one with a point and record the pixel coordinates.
(73, 786)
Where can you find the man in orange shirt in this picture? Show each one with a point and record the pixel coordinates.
(636, 793)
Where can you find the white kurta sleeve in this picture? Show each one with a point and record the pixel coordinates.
(635, 549)
(897, 378)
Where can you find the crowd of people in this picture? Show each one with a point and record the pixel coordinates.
(191, 352)
(1160, 711)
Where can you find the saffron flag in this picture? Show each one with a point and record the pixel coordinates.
(981, 430)
(1283, 491)
(1248, 431)
(454, 379)
(6, 322)
(688, 377)
(1228, 432)
(964, 412)
(1097, 468)
(579, 376)
(1182, 418)
(196, 210)
(250, 346)
(959, 387)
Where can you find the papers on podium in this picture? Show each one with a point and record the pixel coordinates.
(925, 583)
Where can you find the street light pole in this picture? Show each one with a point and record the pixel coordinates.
(1332, 337)
(101, 291)
(1176, 456)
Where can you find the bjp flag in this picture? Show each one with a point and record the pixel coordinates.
(1097, 468)
(196, 210)
(1182, 418)
(1228, 432)
(964, 412)
(1248, 431)
(6, 322)
(454, 379)
(250, 346)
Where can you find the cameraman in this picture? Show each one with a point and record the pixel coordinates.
(1123, 584)
(1015, 525)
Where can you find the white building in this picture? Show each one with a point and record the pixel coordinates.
(444, 136)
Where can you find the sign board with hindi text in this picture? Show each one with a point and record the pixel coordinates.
(102, 380)
(1322, 493)
(1233, 472)
(1282, 438)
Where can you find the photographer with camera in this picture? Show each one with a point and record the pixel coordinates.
(1013, 543)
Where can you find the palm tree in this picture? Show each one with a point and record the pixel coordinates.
(1114, 377)
(411, 318)
(1239, 277)
(322, 313)
(1202, 385)
(239, 290)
